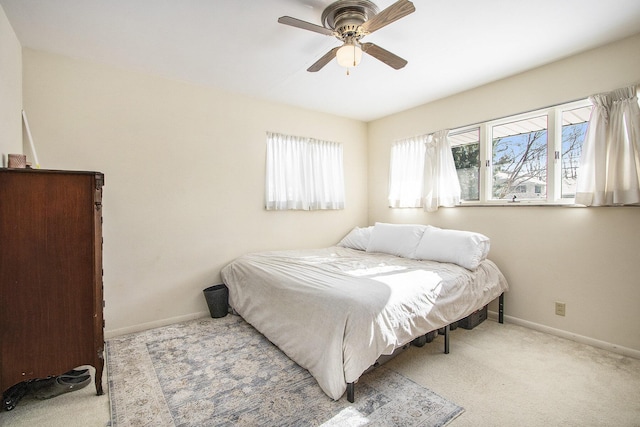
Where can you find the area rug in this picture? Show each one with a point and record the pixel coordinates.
(222, 372)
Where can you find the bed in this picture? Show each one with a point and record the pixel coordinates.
(335, 311)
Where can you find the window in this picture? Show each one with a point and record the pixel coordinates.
(303, 173)
(528, 158)
(465, 146)
(519, 158)
(574, 128)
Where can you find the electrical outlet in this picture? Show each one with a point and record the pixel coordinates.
(560, 308)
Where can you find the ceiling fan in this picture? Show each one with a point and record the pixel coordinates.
(349, 21)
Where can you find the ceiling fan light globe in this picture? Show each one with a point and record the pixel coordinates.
(349, 56)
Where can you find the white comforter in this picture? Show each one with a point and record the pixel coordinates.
(334, 311)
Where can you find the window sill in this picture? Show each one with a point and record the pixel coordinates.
(521, 203)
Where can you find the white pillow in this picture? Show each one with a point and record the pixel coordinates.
(358, 238)
(465, 248)
(396, 239)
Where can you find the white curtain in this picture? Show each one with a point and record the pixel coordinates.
(325, 179)
(441, 184)
(406, 173)
(303, 173)
(609, 172)
(423, 173)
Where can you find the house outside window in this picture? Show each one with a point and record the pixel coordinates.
(519, 158)
(527, 158)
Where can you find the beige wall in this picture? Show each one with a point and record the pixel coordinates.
(184, 173)
(588, 258)
(10, 91)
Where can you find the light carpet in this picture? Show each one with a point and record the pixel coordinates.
(221, 372)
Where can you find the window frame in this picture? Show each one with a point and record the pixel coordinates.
(554, 156)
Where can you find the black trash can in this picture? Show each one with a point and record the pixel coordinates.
(217, 297)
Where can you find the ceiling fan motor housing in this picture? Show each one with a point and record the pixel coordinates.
(346, 16)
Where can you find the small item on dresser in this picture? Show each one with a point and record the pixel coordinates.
(17, 161)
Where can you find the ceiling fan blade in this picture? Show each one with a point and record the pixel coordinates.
(398, 10)
(298, 23)
(326, 58)
(391, 59)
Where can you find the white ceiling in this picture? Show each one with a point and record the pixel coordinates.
(237, 45)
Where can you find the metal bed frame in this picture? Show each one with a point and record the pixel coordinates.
(352, 386)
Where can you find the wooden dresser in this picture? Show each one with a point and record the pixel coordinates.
(50, 274)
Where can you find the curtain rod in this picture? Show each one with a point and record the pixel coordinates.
(636, 84)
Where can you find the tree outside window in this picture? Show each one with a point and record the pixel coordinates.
(508, 159)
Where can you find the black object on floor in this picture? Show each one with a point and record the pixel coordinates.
(62, 384)
(474, 319)
(45, 388)
(217, 297)
(13, 395)
(76, 373)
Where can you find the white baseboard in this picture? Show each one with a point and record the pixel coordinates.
(155, 324)
(614, 348)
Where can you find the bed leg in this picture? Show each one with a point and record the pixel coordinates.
(446, 339)
(351, 391)
(501, 308)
